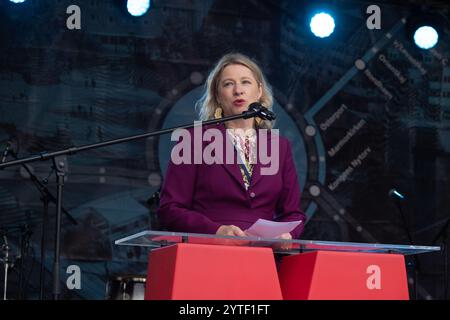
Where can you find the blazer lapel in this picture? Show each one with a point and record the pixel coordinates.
(256, 175)
(232, 168)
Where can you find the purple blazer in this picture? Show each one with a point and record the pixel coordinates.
(199, 198)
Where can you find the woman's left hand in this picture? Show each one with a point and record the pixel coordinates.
(282, 245)
(286, 236)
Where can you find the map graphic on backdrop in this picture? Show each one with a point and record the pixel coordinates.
(365, 112)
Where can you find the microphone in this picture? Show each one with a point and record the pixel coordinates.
(396, 195)
(262, 111)
(5, 153)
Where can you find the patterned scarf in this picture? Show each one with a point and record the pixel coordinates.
(246, 147)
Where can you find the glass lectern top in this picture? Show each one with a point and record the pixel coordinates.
(156, 239)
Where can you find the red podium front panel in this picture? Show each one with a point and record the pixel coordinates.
(330, 275)
(212, 272)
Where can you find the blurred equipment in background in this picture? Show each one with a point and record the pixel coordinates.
(153, 204)
(126, 287)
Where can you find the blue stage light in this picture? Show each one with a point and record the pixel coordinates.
(17, 1)
(426, 37)
(322, 25)
(138, 7)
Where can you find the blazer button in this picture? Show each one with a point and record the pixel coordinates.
(252, 194)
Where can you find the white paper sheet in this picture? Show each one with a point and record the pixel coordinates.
(270, 229)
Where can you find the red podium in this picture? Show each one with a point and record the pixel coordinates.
(209, 267)
(325, 275)
(199, 271)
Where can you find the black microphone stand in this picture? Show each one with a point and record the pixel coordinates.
(444, 234)
(6, 262)
(46, 198)
(25, 235)
(255, 111)
(9, 262)
(415, 262)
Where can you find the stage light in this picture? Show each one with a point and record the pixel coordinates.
(138, 7)
(426, 37)
(17, 1)
(322, 25)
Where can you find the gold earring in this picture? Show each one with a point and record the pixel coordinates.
(218, 113)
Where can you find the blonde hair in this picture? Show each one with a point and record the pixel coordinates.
(208, 103)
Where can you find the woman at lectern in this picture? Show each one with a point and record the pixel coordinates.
(223, 177)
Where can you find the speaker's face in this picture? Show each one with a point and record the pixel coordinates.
(237, 89)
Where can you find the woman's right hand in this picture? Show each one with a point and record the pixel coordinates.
(230, 230)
